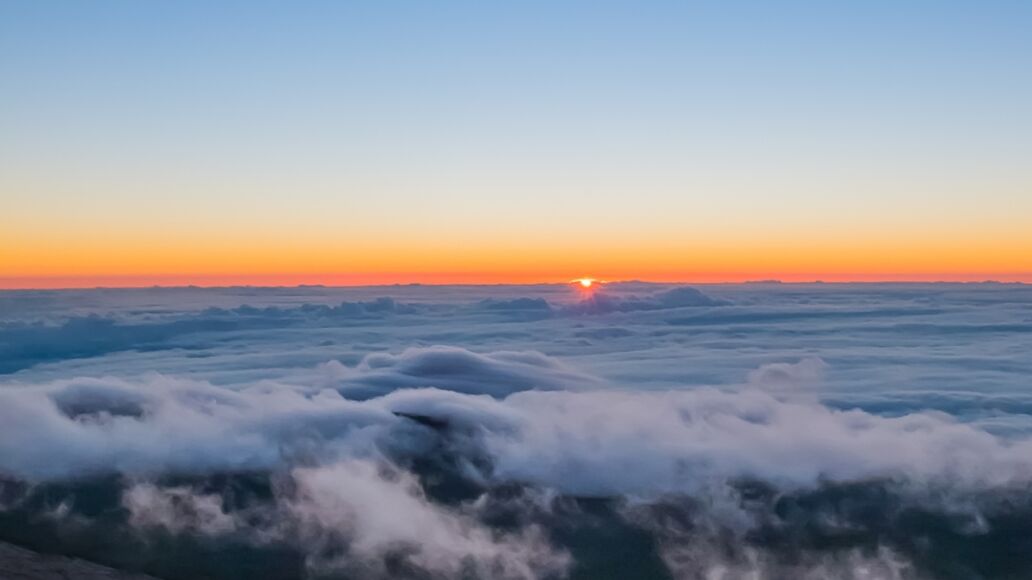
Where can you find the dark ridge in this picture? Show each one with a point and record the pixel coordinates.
(427, 421)
(22, 564)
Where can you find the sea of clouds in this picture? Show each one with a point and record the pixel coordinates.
(868, 431)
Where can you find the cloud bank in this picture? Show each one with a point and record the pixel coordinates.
(341, 441)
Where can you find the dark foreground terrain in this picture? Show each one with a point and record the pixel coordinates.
(21, 564)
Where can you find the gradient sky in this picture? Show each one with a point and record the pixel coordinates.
(350, 142)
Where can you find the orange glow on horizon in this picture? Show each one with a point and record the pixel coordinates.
(61, 260)
(489, 278)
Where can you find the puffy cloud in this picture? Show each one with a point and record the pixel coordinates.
(356, 514)
(805, 373)
(693, 560)
(362, 517)
(177, 509)
(348, 510)
(615, 443)
(93, 426)
(157, 423)
(679, 297)
(455, 369)
(593, 442)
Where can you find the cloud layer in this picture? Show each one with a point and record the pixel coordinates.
(470, 432)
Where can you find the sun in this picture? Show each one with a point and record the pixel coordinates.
(585, 283)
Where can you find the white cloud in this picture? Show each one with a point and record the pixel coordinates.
(373, 510)
(177, 509)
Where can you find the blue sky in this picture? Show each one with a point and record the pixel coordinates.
(676, 126)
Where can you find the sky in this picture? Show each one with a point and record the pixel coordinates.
(381, 142)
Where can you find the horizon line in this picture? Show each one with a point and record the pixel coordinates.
(31, 283)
